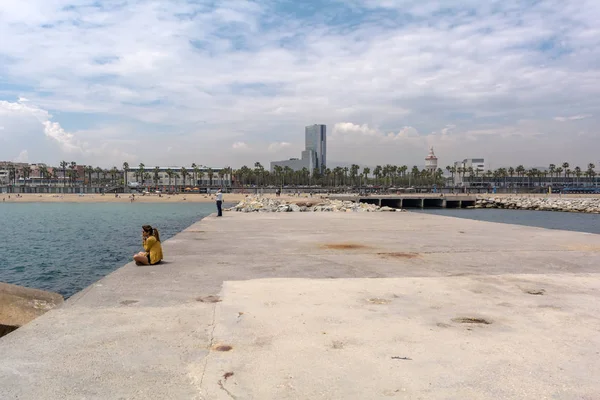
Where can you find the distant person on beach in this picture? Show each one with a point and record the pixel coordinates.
(219, 198)
(152, 253)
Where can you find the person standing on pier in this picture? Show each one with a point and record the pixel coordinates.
(219, 198)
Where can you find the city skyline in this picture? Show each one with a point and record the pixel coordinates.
(232, 83)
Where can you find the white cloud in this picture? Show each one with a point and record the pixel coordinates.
(53, 130)
(278, 146)
(416, 73)
(22, 157)
(572, 118)
(239, 146)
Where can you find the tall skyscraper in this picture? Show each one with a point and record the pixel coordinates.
(314, 156)
(316, 141)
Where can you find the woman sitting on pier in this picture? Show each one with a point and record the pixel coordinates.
(153, 249)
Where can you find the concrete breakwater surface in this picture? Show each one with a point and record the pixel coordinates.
(327, 305)
(582, 205)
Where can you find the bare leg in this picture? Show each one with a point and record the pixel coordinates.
(141, 258)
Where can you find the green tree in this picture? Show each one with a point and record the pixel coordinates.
(125, 171)
(565, 166)
(141, 172)
(211, 175)
(63, 166)
(377, 173)
(170, 176)
(156, 175)
(184, 175)
(578, 174)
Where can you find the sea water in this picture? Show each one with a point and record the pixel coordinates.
(578, 222)
(64, 247)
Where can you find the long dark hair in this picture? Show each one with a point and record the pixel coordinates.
(151, 231)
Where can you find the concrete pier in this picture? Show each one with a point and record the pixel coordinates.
(328, 306)
(414, 200)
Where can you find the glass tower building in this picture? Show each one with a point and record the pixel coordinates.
(316, 141)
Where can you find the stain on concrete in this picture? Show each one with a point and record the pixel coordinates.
(535, 292)
(208, 299)
(399, 255)
(471, 320)
(336, 344)
(378, 301)
(344, 246)
(128, 302)
(222, 347)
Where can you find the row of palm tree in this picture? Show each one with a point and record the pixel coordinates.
(381, 175)
(562, 174)
(387, 175)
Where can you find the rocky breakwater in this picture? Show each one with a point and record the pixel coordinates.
(582, 205)
(265, 204)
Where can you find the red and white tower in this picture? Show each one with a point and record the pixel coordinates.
(431, 161)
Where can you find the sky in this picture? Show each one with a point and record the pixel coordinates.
(230, 82)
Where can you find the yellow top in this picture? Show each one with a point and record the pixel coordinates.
(153, 247)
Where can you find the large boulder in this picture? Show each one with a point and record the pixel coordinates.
(19, 305)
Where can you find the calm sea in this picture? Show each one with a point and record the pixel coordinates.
(66, 247)
(542, 219)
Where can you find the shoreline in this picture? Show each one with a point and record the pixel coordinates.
(126, 198)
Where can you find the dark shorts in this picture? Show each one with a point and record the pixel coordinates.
(148, 255)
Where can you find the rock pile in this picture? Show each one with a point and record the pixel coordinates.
(264, 204)
(589, 205)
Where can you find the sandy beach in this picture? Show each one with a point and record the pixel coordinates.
(126, 198)
(205, 198)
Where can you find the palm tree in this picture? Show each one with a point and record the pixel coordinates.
(88, 170)
(354, 173)
(221, 174)
(558, 171)
(26, 171)
(43, 174)
(451, 171)
(98, 171)
(565, 166)
(74, 175)
(195, 170)
(552, 169)
(377, 173)
(156, 175)
(278, 170)
(259, 170)
(590, 171)
(170, 175)
(141, 172)
(366, 172)
(125, 171)
(578, 174)
(520, 170)
(211, 174)
(184, 174)
(63, 166)
(113, 174)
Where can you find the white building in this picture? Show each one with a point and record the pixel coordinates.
(478, 165)
(431, 161)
